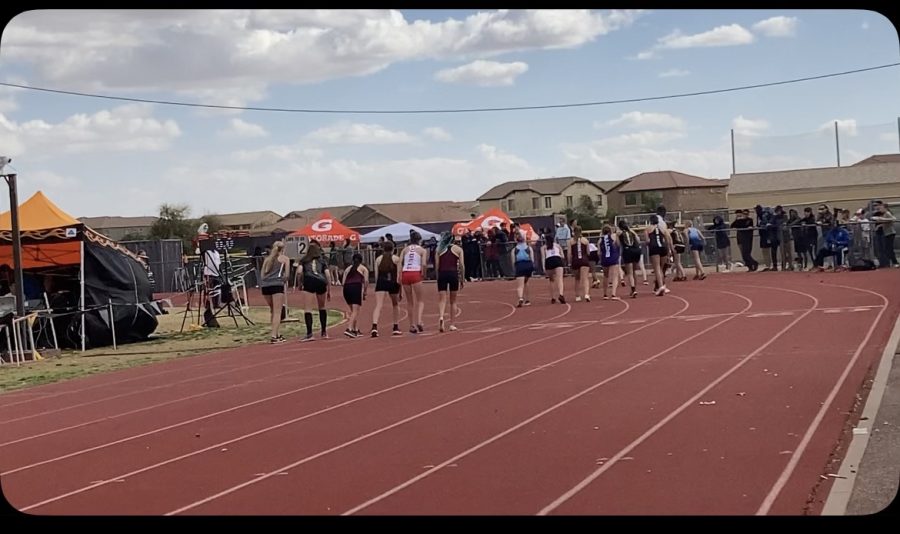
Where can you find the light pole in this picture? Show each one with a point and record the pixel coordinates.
(16, 237)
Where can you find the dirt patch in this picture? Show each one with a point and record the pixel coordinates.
(166, 343)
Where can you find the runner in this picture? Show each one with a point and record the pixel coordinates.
(387, 274)
(451, 271)
(696, 241)
(631, 253)
(553, 266)
(659, 247)
(355, 280)
(581, 265)
(678, 240)
(315, 283)
(523, 259)
(414, 260)
(274, 271)
(593, 261)
(609, 260)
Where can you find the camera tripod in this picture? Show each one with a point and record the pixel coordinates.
(220, 297)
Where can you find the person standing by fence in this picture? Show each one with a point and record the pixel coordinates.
(743, 226)
(885, 233)
(723, 243)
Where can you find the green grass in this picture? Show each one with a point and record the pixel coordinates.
(167, 343)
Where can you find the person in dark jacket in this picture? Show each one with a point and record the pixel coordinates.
(743, 226)
(723, 243)
(763, 222)
(776, 223)
(810, 235)
(836, 240)
(798, 238)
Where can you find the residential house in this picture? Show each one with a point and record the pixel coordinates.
(675, 190)
(877, 177)
(119, 228)
(543, 196)
(424, 214)
(247, 220)
(299, 219)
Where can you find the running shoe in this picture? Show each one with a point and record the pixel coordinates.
(374, 333)
(349, 333)
(562, 299)
(307, 338)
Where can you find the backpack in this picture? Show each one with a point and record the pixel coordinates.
(862, 264)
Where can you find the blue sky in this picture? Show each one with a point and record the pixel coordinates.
(102, 157)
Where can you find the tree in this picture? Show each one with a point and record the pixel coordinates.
(652, 200)
(586, 213)
(173, 223)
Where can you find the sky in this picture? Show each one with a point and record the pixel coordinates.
(98, 157)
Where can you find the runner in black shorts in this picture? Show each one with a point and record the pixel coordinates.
(274, 275)
(316, 284)
(387, 276)
(451, 269)
(523, 259)
(355, 282)
(658, 250)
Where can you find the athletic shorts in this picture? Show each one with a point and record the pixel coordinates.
(578, 263)
(388, 286)
(658, 251)
(409, 278)
(448, 280)
(524, 269)
(679, 249)
(353, 294)
(553, 262)
(272, 290)
(630, 256)
(698, 247)
(315, 285)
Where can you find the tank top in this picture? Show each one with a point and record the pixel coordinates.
(609, 247)
(448, 262)
(656, 238)
(315, 268)
(579, 250)
(275, 276)
(391, 271)
(354, 277)
(694, 236)
(413, 259)
(553, 252)
(522, 252)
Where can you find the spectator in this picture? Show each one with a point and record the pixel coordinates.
(346, 257)
(723, 243)
(776, 223)
(763, 222)
(501, 243)
(825, 220)
(794, 226)
(884, 233)
(743, 226)
(836, 240)
(563, 235)
(491, 255)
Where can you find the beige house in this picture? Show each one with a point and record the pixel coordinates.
(409, 212)
(117, 228)
(849, 188)
(248, 220)
(676, 191)
(542, 196)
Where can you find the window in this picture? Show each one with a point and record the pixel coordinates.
(569, 202)
(599, 200)
(536, 203)
(512, 205)
(503, 206)
(631, 199)
(548, 202)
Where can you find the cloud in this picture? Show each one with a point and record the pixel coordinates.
(845, 126)
(359, 133)
(777, 26)
(749, 127)
(125, 128)
(638, 119)
(231, 50)
(674, 73)
(483, 73)
(603, 164)
(646, 54)
(241, 129)
(865, 25)
(500, 158)
(643, 138)
(730, 35)
(437, 133)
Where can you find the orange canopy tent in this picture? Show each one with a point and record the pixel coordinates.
(489, 219)
(327, 228)
(50, 236)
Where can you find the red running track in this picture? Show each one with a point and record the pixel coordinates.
(727, 396)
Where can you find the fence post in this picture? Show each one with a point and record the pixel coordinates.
(112, 325)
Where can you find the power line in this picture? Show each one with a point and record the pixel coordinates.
(464, 110)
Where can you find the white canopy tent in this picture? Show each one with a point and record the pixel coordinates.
(399, 230)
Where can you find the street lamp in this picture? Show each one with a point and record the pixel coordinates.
(16, 237)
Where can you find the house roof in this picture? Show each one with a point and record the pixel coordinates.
(799, 179)
(239, 219)
(118, 222)
(541, 186)
(651, 181)
(879, 158)
(606, 185)
(415, 212)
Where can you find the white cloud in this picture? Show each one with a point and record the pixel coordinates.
(437, 133)
(845, 126)
(749, 127)
(643, 138)
(238, 128)
(277, 152)
(646, 54)
(674, 73)
(638, 119)
(730, 35)
(359, 133)
(483, 73)
(231, 50)
(125, 128)
(604, 164)
(51, 181)
(496, 156)
(777, 26)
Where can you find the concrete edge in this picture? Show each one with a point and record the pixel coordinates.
(842, 489)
